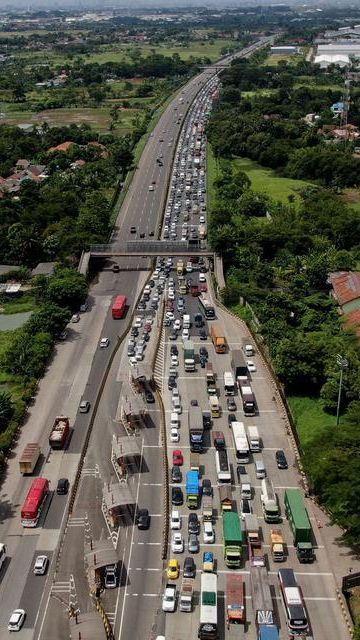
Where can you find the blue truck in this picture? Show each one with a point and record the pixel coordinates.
(192, 489)
(268, 632)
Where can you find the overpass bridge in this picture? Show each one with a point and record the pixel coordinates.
(149, 249)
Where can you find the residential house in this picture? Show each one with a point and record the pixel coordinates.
(346, 291)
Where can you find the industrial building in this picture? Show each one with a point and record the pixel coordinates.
(284, 50)
(337, 53)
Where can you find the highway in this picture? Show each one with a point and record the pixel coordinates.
(77, 373)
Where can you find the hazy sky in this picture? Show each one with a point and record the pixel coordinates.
(101, 4)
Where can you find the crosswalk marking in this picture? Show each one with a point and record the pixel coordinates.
(76, 522)
(61, 587)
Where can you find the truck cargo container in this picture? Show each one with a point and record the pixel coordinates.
(195, 461)
(196, 429)
(269, 501)
(248, 399)
(218, 338)
(229, 385)
(225, 496)
(214, 406)
(235, 599)
(186, 595)
(189, 356)
(255, 549)
(277, 545)
(29, 457)
(299, 524)
(207, 508)
(239, 365)
(254, 439)
(192, 489)
(241, 444)
(59, 432)
(233, 539)
(210, 380)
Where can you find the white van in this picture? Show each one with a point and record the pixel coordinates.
(176, 405)
(245, 491)
(174, 420)
(186, 321)
(260, 470)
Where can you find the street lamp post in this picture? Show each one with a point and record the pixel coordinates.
(343, 364)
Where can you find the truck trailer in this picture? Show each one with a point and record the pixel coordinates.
(29, 457)
(235, 599)
(59, 432)
(196, 428)
(189, 356)
(299, 524)
(192, 489)
(218, 338)
(255, 549)
(239, 365)
(248, 398)
(233, 539)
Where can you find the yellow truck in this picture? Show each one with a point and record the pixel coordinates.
(179, 267)
(277, 545)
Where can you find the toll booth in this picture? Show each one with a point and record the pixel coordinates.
(118, 503)
(125, 456)
(132, 410)
(140, 377)
(99, 554)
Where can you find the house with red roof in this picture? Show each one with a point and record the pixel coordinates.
(346, 291)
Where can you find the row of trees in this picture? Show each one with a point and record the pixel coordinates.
(277, 257)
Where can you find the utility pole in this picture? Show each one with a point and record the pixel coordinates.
(343, 364)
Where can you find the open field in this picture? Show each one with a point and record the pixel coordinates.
(274, 60)
(352, 198)
(310, 419)
(98, 118)
(266, 181)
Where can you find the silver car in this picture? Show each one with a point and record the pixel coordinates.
(193, 543)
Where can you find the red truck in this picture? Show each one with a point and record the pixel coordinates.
(59, 432)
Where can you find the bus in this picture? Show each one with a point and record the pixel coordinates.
(118, 308)
(241, 442)
(208, 607)
(222, 466)
(34, 502)
(229, 385)
(214, 406)
(206, 307)
(295, 613)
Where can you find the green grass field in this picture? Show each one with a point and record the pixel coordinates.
(310, 419)
(266, 181)
(274, 60)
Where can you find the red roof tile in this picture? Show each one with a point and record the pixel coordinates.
(346, 286)
(64, 146)
(352, 320)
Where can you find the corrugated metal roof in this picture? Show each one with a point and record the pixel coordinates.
(346, 286)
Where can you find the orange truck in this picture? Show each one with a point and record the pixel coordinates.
(29, 458)
(235, 599)
(218, 338)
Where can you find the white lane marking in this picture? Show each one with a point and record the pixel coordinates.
(132, 539)
(149, 544)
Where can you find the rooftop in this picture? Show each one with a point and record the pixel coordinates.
(346, 286)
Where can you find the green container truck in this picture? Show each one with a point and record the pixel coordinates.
(299, 524)
(233, 539)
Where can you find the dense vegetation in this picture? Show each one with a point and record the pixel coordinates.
(278, 256)
(68, 210)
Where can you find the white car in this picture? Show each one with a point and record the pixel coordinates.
(175, 361)
(175, 520)
(208, 533)
(16, 620)
(189, 267)
(171, 294)
(104, 342)
(177, 325)
(151, 187)
(169, 315)
(138, 322)
(185, 334)
(202, 219)
(177, 543)
(251, 366)
(40, 565)
(174, 435)
(133, 362)
(202, 277)
(175, 393)
(149, 320)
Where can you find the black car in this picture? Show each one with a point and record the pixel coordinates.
(193, 523)
(146, 337)
(167, 322)
(231, 404)
(281, 459)
(132, 229)
(151, 234)
(62, 487)
(149, 396)
(207, 420)
(189, 569)
(194, 403)
(115, 268)
(134, 332)
(204, 352)
(151, 283)
(203, 362)
(141, 306)
(143, 519)
(203, 269)
(241, 470)
(176, 475)
(142, 235)
(177, 497)
(202, 334)
(173, 335)
(171, 382)
(207, 489)
(174, 350)
(231, 418)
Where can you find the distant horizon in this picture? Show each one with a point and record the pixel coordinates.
(96, 5)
